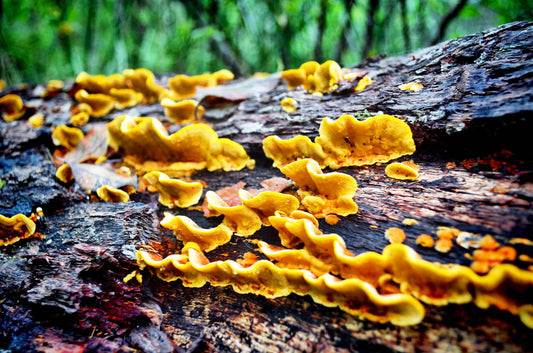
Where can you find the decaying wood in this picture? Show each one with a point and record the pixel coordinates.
(471, 123)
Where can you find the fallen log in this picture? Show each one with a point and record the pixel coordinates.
(471, 124)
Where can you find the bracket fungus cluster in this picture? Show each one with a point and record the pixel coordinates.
(322, 194)
(346, 142)
(145, 144)
(313, 76)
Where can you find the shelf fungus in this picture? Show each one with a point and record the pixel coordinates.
(241, 219)
(267, 203)
(125, 97)
(349, 142)
(313, 76)
(101, 104)
(145, 144)
(264, 278)
(289, 105)
(402, 171)
(188, 231)
(183, 86)
(111, 194)
(322, 194)
(16, 228)
(174, 192)
(12, 106)
(143, 81)
(68, 137)
(183, 112)
(346, 142)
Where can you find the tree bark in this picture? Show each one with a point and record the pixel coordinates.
(471, 124)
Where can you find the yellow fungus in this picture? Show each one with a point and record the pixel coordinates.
(68, 137)
(12, 107)
(363, 83)
(241, 219)
(188, 231)
(145, 143)
(288, 105)
(182, 112)
(320, 193)
(111, 194)
(411, 86)
(101, 104)
(174, 192)
(15, 228)
(401, 171)
(64, 173)
(36, 121)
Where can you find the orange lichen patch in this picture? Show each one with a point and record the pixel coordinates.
(15, 228)
(443, 245)
(266, 203)
(142, 81)
(145, 143)
(490, 255)
(409, 221)
(68, 137)
(241, 219)
(174, 192)
(12, 107)
(363, 83)
(332, 219)
(289, 105)
(125, 97)
(401, 171)
(111, 194)
(183, 86)
(182, 112)
(264, 278)
(349, 142)
(425, 241)
(36, 121)
(101, 104)
(64, 173)
(294, 77)
(411, 86)
(284, 152)
(188, 231)
(488, 243)
(248, 259)
(395, 235)
(320, 193)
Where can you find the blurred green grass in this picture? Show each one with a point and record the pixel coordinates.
(56, 39)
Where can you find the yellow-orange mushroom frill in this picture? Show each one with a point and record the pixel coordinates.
(174, 192)
(346, 142)
(188, 231)
(15, 228)
(68, 137)
(401, 171)
(320, 193)
(145, 143)
(101, 104)
(182, 112)
(12, 107)
(111, 194)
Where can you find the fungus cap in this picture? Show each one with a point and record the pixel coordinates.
(15, 228)
(12, 106)
(174, 192)
(401, 171)
(68, 137)
(111, 194)
(101, 104)
(183, 112)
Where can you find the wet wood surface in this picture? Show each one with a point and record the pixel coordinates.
(471, 123)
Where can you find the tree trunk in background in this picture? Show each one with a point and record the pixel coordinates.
(472, 125)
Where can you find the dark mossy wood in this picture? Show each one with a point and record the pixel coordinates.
(471, 123)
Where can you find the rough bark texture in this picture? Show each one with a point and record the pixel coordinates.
(471, 123)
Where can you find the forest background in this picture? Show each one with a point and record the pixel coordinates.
(56, 39)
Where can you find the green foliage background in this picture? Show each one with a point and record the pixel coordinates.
(56, 39)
